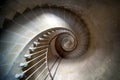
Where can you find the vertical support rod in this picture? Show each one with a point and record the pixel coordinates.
(47, 65)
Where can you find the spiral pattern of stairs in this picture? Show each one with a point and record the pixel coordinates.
(54, 40)
(38, 53)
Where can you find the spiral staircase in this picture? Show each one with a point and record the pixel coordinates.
(59, 40)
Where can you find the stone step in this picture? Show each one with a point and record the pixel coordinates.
(15, 5)
(23, 21)
(10, 37)
(19, 30)
(8, 59)
(29, 3)
(8, 13)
